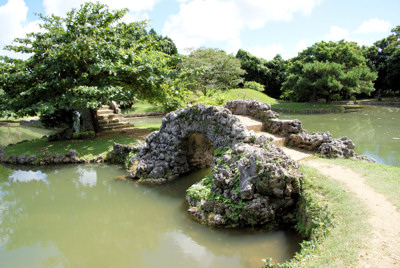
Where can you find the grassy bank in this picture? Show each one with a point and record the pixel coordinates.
(219, 98)
(338, 245)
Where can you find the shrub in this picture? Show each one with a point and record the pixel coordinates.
(254, 85)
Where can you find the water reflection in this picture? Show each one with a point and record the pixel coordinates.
(14, 134)
(82, 217)
(27, 176)
(87, 177)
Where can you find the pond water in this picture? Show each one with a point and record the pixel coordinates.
(374, 130)
(79, 216)
(14, 134)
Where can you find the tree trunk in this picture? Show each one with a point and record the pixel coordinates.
(314, 96)
(95, 121)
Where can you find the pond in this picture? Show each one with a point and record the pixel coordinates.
(375, 130)
(14, 134)
(80, 216)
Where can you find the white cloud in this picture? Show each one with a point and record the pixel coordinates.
(267, 52)
(336, 34)
(136, 7)
(374, 26)
(13, 23)
(201, 21)
(301, 45)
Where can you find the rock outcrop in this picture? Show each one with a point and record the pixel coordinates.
(251, 184)
(253, 181)
(252, 108)
(296, 136)
(186, 140)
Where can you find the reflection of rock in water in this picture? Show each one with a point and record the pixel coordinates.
(121, 178)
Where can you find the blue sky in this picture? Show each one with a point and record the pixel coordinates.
(263, 27)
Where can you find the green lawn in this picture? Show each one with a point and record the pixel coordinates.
(142, 107)
(245, 93)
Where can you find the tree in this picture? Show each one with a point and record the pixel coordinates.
(271, 74)
(382, 58)
(85, 60)
(393, 72)
(329, 71)
(210, 69)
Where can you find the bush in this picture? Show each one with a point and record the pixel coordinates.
(254, 85)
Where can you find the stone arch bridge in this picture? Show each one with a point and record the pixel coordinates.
(252, 182)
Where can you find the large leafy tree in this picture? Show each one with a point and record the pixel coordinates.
(383, 57)
(210, 69)
(84, 60)
(328, 71)
(271, 73)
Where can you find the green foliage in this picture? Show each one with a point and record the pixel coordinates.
(254, 85)
(267, 263)
(86, 59)
(201, 190)
(127, 162)
(329, 72)
(383, 57)
(60, 118)
(270, 74)
(393, 73)
(313, 217)
(211, 69)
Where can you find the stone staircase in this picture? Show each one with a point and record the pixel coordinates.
(279, 141)
(109, 120)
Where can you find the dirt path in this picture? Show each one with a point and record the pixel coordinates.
(383, 249)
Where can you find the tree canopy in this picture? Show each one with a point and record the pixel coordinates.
(271, 74)
(383, 57)
(87, 59)
(210, 69)
(328, 71)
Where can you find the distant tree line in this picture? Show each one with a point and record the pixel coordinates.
(330, 71)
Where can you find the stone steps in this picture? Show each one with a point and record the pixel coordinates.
(107, 116)
(108, 120)
(277, 140)
(251, 123)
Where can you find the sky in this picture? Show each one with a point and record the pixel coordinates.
(262, 27)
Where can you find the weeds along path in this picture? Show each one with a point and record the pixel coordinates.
(383, 248)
